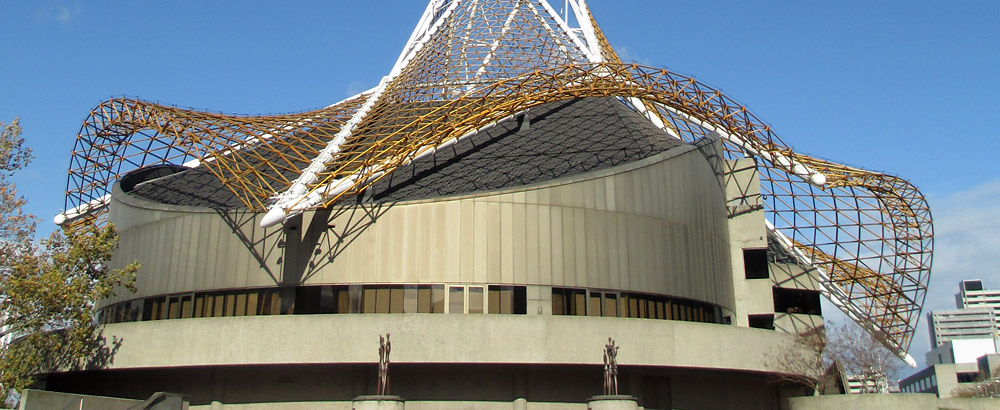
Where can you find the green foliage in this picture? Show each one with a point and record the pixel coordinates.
(48, 291)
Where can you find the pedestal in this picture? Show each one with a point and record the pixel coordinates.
(617, 402)
(375, 402)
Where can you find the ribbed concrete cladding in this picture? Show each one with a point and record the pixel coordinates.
(654, 226)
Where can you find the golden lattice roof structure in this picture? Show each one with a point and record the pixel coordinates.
(473, 63)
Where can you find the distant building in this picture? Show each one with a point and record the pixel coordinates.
(961, 351)
(957, 324)
(941, 379)
(972, 294)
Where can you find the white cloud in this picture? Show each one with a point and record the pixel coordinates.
(60, 12)
(628, 56)
(355, 87)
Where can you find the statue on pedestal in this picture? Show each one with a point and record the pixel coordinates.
(383, 364)
(610, 368)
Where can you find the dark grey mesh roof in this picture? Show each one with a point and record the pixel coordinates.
(558, 139)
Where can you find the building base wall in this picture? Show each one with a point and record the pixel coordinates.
(909, 401)
(433, 386)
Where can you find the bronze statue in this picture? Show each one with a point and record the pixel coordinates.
(383, 364)
(610, 368)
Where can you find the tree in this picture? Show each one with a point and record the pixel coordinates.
(48, 290)
(817, 358)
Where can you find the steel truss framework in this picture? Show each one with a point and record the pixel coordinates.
(470, 64)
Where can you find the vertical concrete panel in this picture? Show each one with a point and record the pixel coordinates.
(592, 232)
(624, 255)
(558, 247)
(452, 260)
(481, 253)
(418, 246)
(589, 193)
(612, 250)
(532, 245)
(599, 221)
(178, 246)
(493, 245)
(545, 245)
(199, 240)
(240, 256)
(520, 241)
(570, 237)
(506, 259)
(610, 194)
(600, 194)
(469, 245)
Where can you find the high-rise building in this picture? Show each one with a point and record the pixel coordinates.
(507, 199)
(953, 324)
(972, 294)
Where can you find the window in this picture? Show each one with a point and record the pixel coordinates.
(456, 299)
(476, 299)
(755, 263)
(507, 300)
(761, 321)
(569, 302)
(796, 301)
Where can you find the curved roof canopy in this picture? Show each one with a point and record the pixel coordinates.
(469, 65)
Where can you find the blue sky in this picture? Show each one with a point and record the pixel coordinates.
(907, 88)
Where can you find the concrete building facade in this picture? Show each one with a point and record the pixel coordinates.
(492, 295)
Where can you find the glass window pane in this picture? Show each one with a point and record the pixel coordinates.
(476, 299)
(275, 301)
(595, 304)
(382, 300)
(410, 299)
(437, 299)
(558, 302)
(327, 301)
(230, 305)
(519, 300)
(147, 310)
(356, 298)
(494, 300)
(368, 300)
(218, 304)
(456, 299)
(633, 307)
(186, 306)
(199, 305)
(580, 302)
(241, 304)
(252, 300)
(174, 308)
(343, 300)
(610, 305)
(396, 299)
(424, 299)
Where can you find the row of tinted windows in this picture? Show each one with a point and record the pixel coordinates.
(322, 299)
(583, 302)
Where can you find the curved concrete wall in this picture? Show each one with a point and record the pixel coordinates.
(658, 225)
(430, 338)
